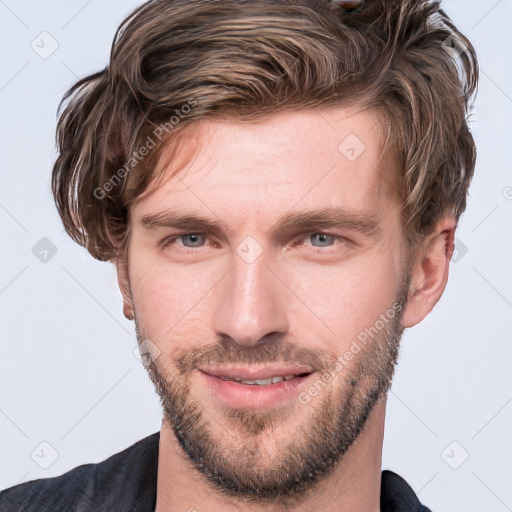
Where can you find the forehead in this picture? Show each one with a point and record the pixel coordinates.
(293, 160)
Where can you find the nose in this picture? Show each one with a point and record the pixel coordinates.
(251, 304)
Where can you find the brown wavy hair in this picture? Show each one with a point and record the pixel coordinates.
(176, 62)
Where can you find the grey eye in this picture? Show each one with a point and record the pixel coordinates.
(325, 240)
(195, 239)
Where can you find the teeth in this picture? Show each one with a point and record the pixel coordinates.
(261, 382)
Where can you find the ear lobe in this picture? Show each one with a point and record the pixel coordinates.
(124, 287)
(430, 272)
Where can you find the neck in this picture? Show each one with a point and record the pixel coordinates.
(354, 485)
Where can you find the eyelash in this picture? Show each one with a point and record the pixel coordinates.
(171, 240)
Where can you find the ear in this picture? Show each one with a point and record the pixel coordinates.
(123, 281)
(430, 272)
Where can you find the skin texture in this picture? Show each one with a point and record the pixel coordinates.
(305, 298)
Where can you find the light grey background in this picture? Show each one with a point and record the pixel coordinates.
(69, 376)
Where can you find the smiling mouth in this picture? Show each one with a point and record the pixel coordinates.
(257, 375)
(255, 387)
(263, 382)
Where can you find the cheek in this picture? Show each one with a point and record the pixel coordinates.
(349, 298)
(171, 301)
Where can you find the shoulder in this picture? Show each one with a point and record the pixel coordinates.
(118, 482)
(397, 495)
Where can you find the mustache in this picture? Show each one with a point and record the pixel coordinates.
(228, 352)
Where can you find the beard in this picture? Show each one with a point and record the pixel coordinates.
(234, 460)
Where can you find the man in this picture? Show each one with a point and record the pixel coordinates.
(278, 183)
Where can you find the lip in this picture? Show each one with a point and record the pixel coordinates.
(232, 394)
(254, 372)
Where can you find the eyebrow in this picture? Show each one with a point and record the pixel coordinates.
(298, 221)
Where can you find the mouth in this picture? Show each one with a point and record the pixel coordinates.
(254, 387)
(257, 375)
(264, 382)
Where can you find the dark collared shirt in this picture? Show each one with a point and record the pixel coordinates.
(126, 482)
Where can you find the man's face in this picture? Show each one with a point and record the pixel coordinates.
(316, 302)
